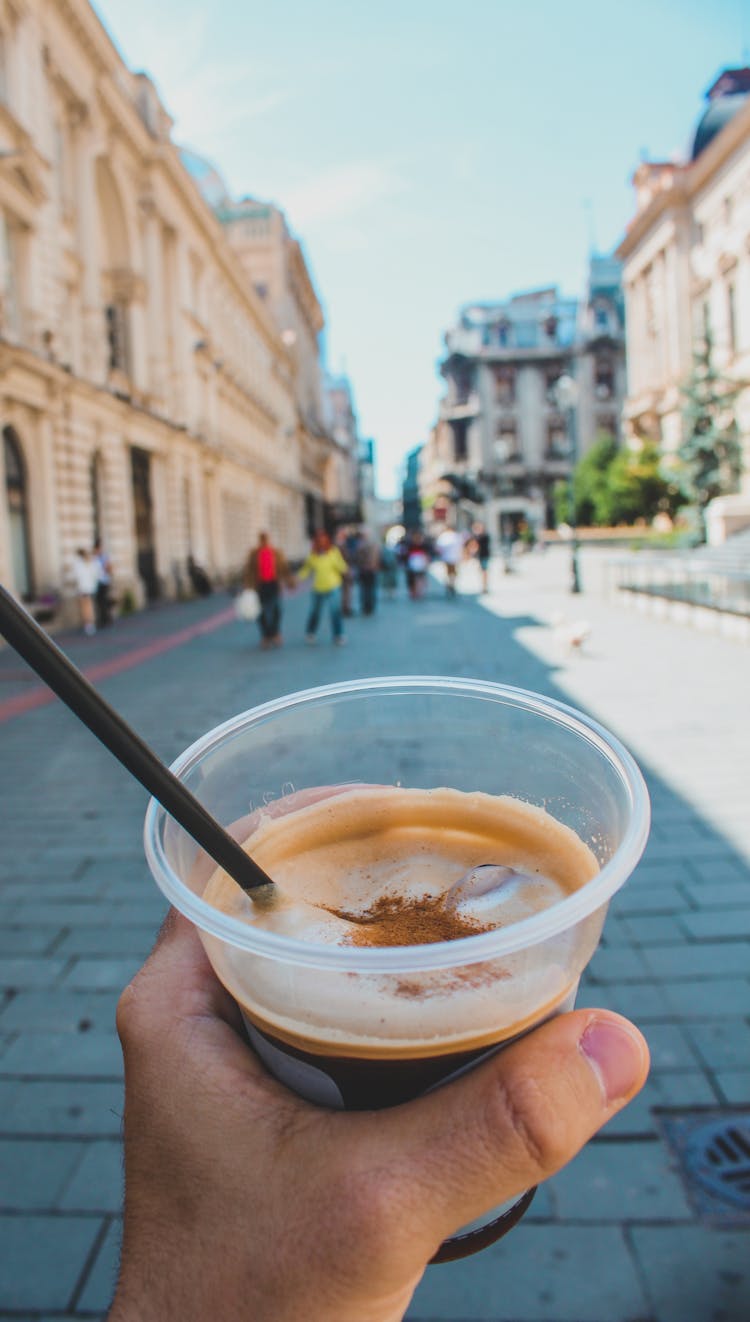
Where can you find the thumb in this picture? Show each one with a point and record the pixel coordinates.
(514, 1120)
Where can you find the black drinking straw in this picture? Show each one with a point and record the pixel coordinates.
(45, 657)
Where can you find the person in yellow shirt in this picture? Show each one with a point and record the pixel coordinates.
(328, 568)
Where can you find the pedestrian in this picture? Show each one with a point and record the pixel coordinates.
(450, 548)
(86, 577)
(329, 569)
(103, 596)
(367, 560)
(266, 570)
(347, 541)
(199, 580)
(417, 564)
(482, 551)
(389, 568)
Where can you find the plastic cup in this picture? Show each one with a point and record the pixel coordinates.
(322, 1017)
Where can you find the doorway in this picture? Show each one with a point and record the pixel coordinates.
(144, 522)
(17, 498)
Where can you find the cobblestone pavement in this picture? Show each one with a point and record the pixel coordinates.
(618, 1236)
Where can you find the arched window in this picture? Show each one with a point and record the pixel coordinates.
(16, 490)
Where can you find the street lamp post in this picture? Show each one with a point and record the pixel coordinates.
(567, 398)
(502, 452)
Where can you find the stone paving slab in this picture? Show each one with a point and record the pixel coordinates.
(97, 1181)
(734, 1086)
(51, 1055)
(70, 1107)
(694, 1276)
(34, 1173)
(48, 1255)
(538, 1273)
(631, 1181)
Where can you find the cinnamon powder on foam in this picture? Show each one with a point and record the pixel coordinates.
(394, 920)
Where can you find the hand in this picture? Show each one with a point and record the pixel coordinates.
(244, 1203)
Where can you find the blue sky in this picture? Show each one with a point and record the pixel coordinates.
(429, 154)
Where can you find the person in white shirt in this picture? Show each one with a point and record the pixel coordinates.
(86, 573)
(450, 548)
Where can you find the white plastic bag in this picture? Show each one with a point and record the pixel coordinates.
(247, 605)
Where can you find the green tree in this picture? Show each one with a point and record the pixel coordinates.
(613, 485)
(636, 488)
(591, 478)
(710, 456)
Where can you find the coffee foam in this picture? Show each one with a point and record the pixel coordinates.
(367, 845)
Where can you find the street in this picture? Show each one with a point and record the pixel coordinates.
(620, 1235)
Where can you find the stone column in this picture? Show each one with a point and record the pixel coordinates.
(94, 343)
(154, 299)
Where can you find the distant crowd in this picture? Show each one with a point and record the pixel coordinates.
(347, 572)
(354, 560)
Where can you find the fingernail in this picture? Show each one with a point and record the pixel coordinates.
(617, 1054)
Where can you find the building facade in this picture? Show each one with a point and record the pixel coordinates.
(148, 393)
(686, 271)
(351, 463)
(502, 441)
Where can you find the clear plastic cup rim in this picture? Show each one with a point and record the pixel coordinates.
(442, 954)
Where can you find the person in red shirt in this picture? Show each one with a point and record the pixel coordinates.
(265, 571)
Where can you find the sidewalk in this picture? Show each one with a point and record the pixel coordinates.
(617, 1237)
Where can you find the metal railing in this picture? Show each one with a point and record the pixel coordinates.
(713, 578)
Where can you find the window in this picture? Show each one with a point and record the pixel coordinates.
(460, 427)
(503, 333)
(3, 69)
(10, 259)
(63, 167)
(552, 374)
(604, 378)
(558, 445)
(505, 385)
(601, 316)
(650, 302)
(550, 325)
(732, 316)
(116, 315)
(506, 445)
(728, 210)
(461, 381)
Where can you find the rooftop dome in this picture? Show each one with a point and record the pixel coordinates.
(713, 119)
(206, 176)
(729, 93)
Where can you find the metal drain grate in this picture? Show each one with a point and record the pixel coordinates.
(719, 1156)
(713, 1151)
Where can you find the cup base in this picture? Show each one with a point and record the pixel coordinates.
(480, 1237)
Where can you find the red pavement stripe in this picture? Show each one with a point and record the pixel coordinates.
(40, 696)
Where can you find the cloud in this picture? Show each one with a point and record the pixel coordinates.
(208, 96)
(341, 192)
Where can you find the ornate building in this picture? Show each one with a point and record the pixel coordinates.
(686, 270)
(151, 392)
(501, 441)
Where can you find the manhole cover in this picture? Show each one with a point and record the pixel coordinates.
(718, 1155)
(713, 1151)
